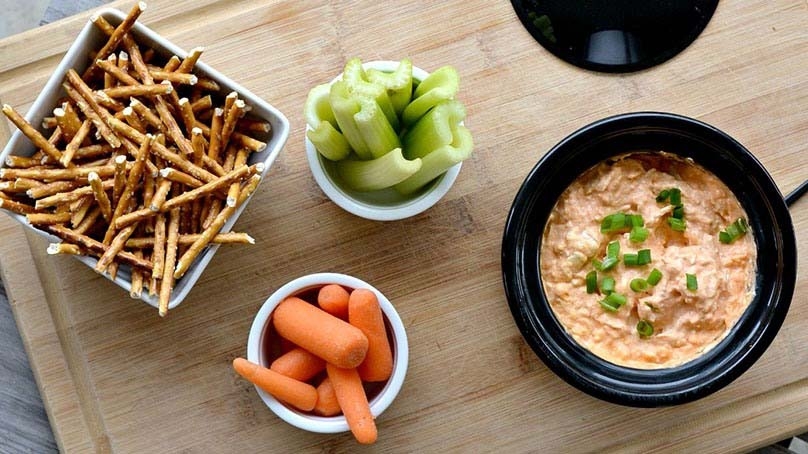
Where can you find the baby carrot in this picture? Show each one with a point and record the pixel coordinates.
(354, 403)
(299, 364)
(364, 313)
(327, 404)
(293, 392)
(319, 332)
(333, 299)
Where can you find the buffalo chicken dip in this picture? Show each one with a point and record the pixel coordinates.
(647, 260)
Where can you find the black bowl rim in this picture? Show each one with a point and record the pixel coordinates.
(651, 392)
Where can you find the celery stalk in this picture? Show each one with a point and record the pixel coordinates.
(379, 95)
(317, 108)
(379, 173)
(439, 86)
(439, 161)
(433, 130)
(329, 142)
(397, 83)
(378, 134)
(353, 71)
(345, 107)
(445, 76)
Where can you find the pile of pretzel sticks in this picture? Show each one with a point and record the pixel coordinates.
(144, 165)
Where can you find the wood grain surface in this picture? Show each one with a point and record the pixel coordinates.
(117, 378)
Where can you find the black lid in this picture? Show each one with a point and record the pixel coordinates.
(615, 35)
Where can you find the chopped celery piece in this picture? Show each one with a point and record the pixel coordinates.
(345, 107)
(329, 142)
(379, 173)
(397, 83)
(435, 129)
(378, 134)
(445, 76)
(353, 71)
(439, 86)
(438, 161)
(317, 108)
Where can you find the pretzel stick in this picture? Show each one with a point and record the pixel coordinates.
(251, 125)
(132, 119)
(47, 218)
(146, 114)
(180, 177)
(172, 128)
(215, 133)
(33, 135)
(175, 77)
(22, 185)
(159, 246)
(119, 181)
(89, 220)
(109, 80)
(136, 286)
(202, 104)
(49, 123)
(75, 142)
(172, 64)
(189, 238)
(208, 84)
(57, 174)
(106, 101)
(16, 207)
(244, 140)
(208, 188)
(159, 197)
(171, 258)
(127, 91)
(118, 34)
(248, 189)
(95, 246)
(64, 248)
(187, 115)
(235, 112)
(92, 151)
(189, 62)
(79, 210)
(115, 248)
(132, 182)
(22, 162)
(101, 195)
(55, 187)
(67, 119)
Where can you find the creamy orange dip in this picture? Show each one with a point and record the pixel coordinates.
(685, 322)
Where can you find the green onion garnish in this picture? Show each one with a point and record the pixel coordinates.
(613, 249)
(734, 231)
(607, 285)
(631, 259)
(676, 196)
(591, 281)
(613, 302)
(692, 282)
(638, 285)
(677, 224)
(663, 195)
(605, 265)
(645, 328)
(636, 220)
(613, 223)
(654, 277)
(643, 257)
(638, 234)
(678, 212)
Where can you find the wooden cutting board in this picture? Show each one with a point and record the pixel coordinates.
(115, 377)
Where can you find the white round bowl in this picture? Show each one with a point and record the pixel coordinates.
(260, 329)
(386, 204)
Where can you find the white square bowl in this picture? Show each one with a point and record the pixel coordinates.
(77, 57)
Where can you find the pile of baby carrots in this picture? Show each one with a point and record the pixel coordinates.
(345, 336)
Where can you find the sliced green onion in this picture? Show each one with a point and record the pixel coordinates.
(605, 265)
(638, 234)
(643, 257)
(638, 285)
(636, 220)
(663, 195)
(676, 196)
(678, 212)
(654, 277)
(613, 223)
(631, 259)
(677, 224)
(591, 281)
(645, 328)
(613, 301)
(692, 282)
(734, 231)
(613, 249)
(607, 285)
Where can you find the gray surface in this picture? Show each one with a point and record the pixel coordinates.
(24, 426)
